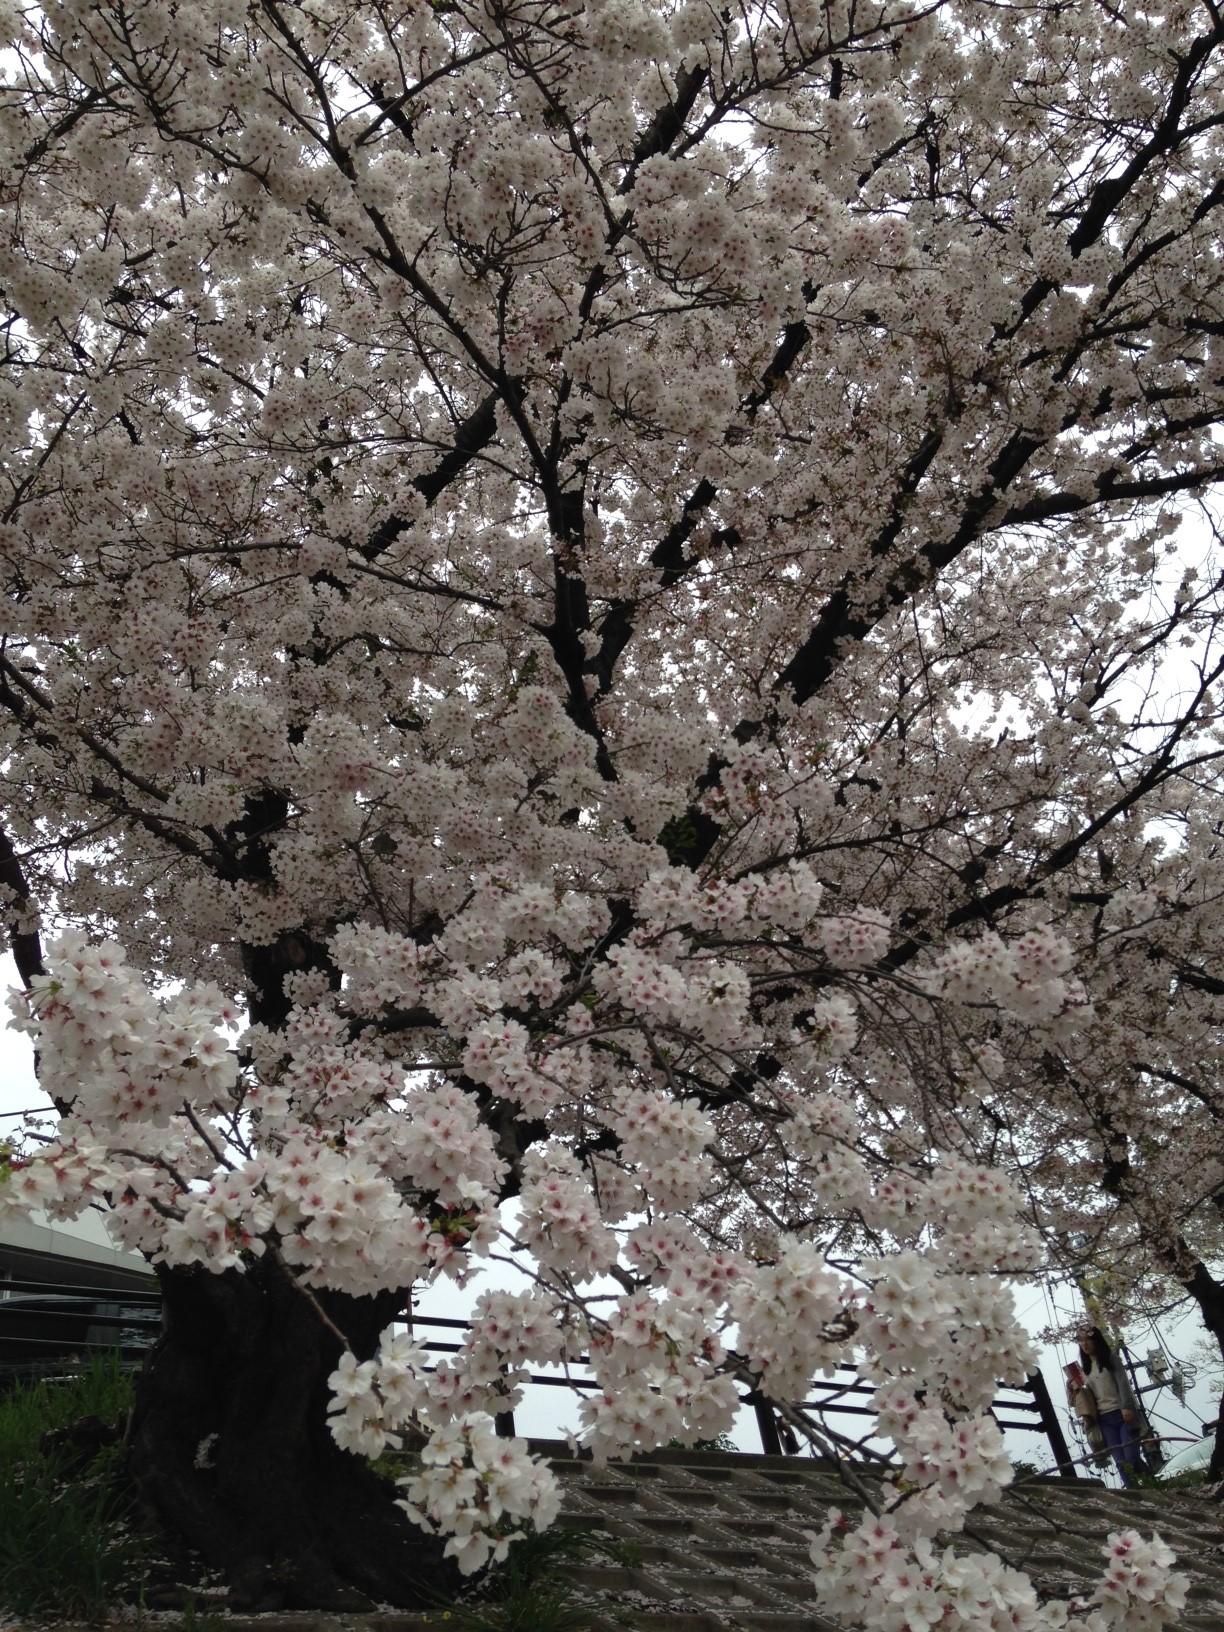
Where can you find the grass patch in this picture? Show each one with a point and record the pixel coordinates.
(195, 1620)
(67, 1543)
(1192, 1479)
(530, 1591)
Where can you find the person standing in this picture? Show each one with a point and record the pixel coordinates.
(1117, 1410)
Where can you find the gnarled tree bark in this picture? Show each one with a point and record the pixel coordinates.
(230, 1447)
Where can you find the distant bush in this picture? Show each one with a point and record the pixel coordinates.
(722, 1442)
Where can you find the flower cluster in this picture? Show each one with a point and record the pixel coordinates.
(115, 1052)
(506, 1332)
(480, 1491)
(560, 1218)
(672, 1255)
(380, 967)
(657, 1364)
(853, 940)
(1140, 1591)
(1029, 976)
(644, 983)
(870, 1575)
(783, 899)
(497, 1055)
(956, 1463)
(666, 1139)
(62, 1180)
(372, 1399)
(830, 1029)
(912, 1309)
(793, 1316)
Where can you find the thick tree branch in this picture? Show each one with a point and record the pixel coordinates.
(25, 944)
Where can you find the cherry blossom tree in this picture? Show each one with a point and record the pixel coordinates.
(1115, 1134)
(612, 606)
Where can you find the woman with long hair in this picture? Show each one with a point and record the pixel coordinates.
(1117, 1409)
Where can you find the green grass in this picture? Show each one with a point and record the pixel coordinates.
(194, 1620)
(31, 1410)
(1192, 1479)
(67, 1544)
(530, 1592)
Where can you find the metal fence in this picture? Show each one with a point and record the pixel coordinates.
(1028, 1409)
(46, 1328)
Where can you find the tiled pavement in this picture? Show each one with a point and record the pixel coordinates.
(719, 1544)
(722, 1547)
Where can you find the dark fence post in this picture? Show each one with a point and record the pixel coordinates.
(767, 1423)
(503, 1424)
(1052, 1426)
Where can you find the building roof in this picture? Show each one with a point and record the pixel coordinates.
(78, 1251)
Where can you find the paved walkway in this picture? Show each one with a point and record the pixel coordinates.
(720, 1544)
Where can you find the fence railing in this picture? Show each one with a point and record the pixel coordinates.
(45, 1326)
(1029, 1409)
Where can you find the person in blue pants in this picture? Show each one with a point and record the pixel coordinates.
(1117, 1410)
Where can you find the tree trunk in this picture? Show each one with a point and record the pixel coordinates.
(230, 1446)
(1208, 1293)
